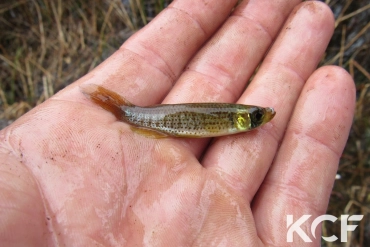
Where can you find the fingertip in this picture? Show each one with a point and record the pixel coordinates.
(321, 8)
(326, 106)
(336, 80)
(337, 73)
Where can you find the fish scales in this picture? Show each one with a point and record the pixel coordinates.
(189, 119)
(194, 120)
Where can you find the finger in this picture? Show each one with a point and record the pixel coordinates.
(302, 176)
(243, 160)
(221, 69)
(147, 64)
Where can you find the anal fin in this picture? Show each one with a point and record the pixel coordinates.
(148, 132)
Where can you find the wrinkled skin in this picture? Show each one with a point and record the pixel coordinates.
(71, 175)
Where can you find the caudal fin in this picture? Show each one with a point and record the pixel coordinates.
(105, 98)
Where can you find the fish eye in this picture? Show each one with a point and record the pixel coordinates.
(257, 116)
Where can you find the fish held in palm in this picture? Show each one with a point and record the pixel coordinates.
(192, 120)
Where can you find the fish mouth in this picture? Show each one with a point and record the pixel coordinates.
(269, 114)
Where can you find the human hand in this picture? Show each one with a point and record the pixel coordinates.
(72, 175)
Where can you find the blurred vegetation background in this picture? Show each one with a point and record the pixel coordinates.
(47, 44)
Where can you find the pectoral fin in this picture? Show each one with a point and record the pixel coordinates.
(148, 132)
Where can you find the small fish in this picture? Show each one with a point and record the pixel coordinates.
(193, 120)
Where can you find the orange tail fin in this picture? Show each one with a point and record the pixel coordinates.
(106, 99)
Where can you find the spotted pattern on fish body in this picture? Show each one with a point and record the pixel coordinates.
(195, 120)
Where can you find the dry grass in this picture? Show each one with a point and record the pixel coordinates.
(350, 48)
(46, 44)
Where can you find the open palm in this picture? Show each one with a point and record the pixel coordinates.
(72, 175)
